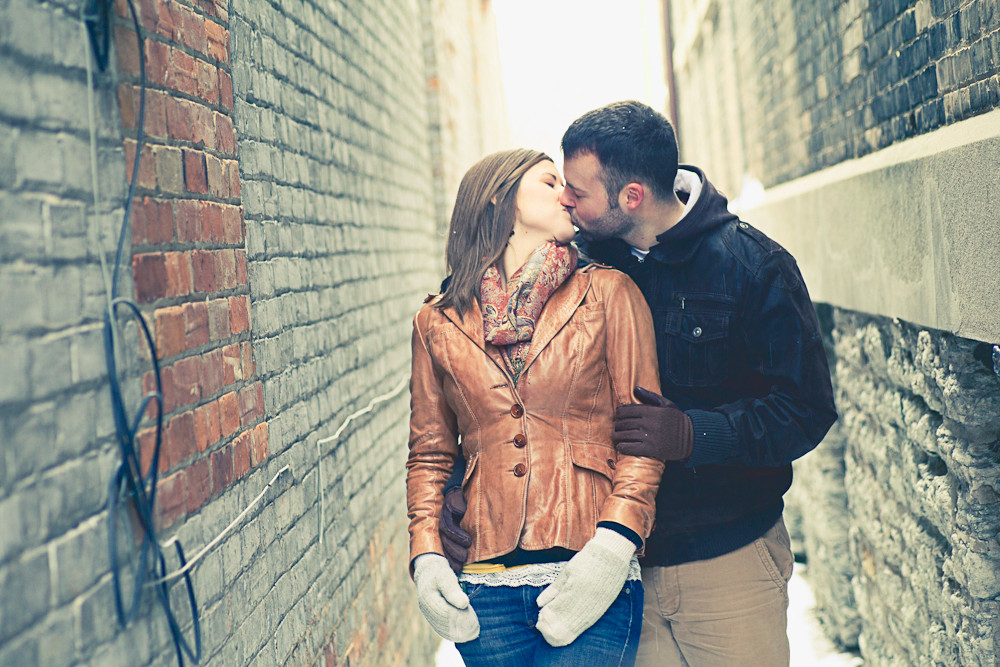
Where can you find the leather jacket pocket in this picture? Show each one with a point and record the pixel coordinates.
(694, 347)
(594, 468)
(599, 458)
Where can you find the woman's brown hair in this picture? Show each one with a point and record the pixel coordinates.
(483, 221)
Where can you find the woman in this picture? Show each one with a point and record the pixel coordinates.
(524, 358)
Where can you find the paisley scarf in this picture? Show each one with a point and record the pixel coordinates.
(510, 312)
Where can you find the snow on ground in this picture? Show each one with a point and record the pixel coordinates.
(809, 647)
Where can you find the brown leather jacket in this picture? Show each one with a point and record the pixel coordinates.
(542, 470)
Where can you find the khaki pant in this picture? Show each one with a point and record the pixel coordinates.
(729, 610)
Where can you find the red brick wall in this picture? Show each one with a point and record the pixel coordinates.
(189, 257)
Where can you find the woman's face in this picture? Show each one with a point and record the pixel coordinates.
(538, 209)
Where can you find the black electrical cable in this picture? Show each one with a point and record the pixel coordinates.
(129, 485)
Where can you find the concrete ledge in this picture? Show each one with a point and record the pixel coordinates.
(912, 231)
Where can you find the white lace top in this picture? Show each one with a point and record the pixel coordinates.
(538, 574)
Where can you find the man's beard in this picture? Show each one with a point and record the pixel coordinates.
(613, 224)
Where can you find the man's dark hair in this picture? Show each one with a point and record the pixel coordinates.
(632, 141)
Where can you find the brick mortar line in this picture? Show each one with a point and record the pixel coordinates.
(356, 564)
(361, 24)
(319, 222)
(184, 144)
(82, 133)
(305, 364)
(252, 100)
(334, 162)
(36, 65)
(141, 192)
(235, 387)
(183, 3)
(261, 103)
(97, 449)
(321, 225)
(223, 442)
(194, 297)
(136, 83)
(262, 65)
(18, 407)
(350, 311)
(185, 246)
(27, 261)
(126, 23)
(345, 253)
(67, 193)
(305, 397)
(333, 321)
(388, 30)
(325, 164)
(396, 296)
(860, 110)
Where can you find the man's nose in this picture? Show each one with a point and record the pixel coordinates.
(565, 199)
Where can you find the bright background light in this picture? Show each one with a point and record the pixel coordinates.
(562, 58)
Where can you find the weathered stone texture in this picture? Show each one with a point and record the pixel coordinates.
(918, 432)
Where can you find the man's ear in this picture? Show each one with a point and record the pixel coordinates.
(632, 195)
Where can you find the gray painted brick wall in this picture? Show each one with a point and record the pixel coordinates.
(338, 192)
(56, 451)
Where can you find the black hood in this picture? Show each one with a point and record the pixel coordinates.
(678, 243)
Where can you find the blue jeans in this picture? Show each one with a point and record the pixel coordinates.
(508, 637)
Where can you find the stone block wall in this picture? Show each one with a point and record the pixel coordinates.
(282, 236)
(898, 505)
(920, 410)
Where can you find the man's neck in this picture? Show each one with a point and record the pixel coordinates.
(654, 218)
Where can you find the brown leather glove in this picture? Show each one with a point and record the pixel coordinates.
(456, 542)
(656, 428)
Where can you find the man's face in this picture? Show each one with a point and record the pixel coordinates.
(587, 200)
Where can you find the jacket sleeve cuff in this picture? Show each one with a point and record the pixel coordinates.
(714, 438)
(624, 531)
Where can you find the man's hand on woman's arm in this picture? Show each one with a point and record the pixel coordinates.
(655, 428)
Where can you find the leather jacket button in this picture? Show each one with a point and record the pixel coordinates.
(516, 411)
(520, 440)
(519, 470)
(611, 464)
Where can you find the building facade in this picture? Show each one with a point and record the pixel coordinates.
(863, 137)
(296, 164)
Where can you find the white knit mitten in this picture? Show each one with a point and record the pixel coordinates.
(585, 588)
(442, 601)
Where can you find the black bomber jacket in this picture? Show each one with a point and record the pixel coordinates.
(740, 351)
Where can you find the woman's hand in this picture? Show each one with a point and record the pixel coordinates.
(585, 588)
(442, 601)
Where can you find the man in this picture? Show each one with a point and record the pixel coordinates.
(746, 388)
